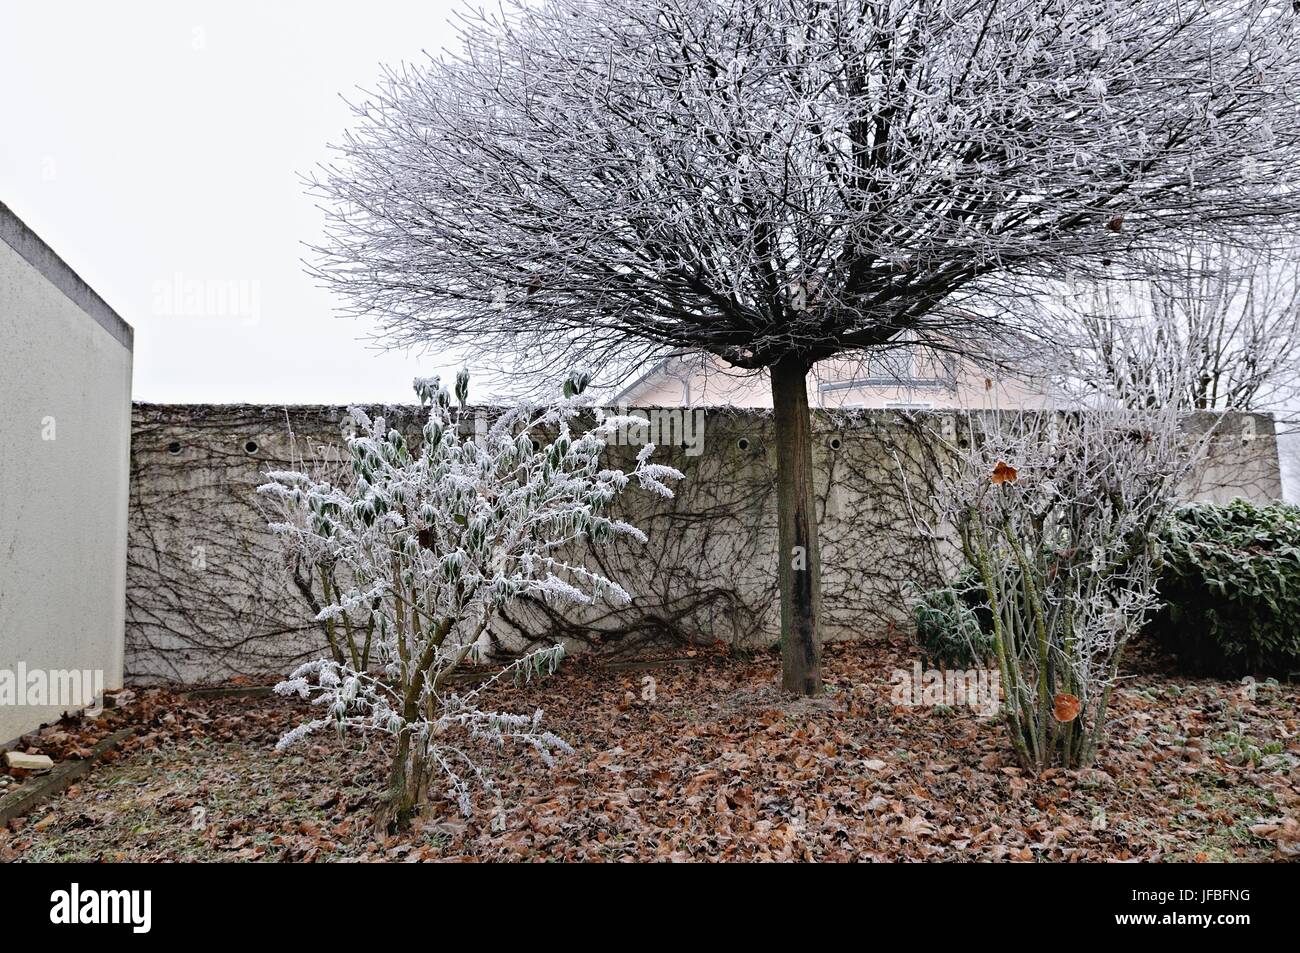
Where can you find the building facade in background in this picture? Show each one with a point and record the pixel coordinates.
(905, 377)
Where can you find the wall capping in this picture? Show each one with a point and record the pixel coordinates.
(32, 249)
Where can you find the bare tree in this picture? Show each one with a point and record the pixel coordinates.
(1217, 327)
(779, 182)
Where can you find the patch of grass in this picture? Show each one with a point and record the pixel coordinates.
(1218, 816)
(1240, 749)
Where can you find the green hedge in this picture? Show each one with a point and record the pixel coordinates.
(1231, 586)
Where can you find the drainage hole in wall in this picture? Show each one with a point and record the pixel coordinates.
(174, 447)
(250, 447)
(836, 443)
(742, 443)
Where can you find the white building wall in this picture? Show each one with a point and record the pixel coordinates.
(65, 374)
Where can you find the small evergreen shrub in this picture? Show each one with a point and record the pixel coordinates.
(948, 625)
(1230, 580)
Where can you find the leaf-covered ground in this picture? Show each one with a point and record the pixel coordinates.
(718, 766)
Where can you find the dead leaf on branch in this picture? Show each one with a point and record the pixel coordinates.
(1066, 707)
(1003, 473)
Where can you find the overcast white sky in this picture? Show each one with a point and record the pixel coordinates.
(157, 145)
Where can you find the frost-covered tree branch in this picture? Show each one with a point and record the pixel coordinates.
(1216, 328)
(790, 176)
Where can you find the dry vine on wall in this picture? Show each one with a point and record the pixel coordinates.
(209, 596)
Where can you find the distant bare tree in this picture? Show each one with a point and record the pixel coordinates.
(1216, 328)
(779, 182)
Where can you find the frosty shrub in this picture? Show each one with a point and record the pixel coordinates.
(1057, 515)
(421, 546)
(948, 629)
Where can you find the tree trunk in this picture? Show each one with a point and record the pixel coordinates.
(800, 568)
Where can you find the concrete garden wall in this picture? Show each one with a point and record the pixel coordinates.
(209, 596)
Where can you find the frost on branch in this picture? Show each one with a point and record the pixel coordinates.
(1216, 327)
(418, 547)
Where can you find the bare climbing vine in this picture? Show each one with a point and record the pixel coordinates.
(210, 597)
